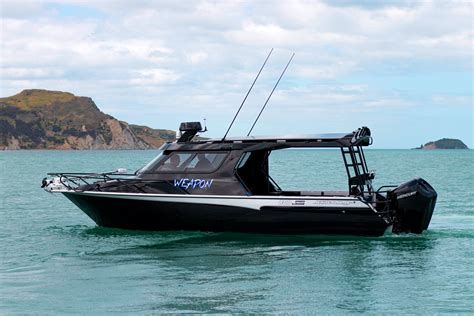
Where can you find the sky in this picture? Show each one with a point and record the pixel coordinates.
(402, 68)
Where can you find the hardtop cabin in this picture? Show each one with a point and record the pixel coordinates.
(239, 166)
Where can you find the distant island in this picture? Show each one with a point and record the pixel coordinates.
(42, 119)
(445, 143)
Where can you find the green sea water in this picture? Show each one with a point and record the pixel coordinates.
(55, 260)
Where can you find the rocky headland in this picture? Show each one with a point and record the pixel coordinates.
(42, 119)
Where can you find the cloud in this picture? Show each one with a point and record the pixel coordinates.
(202, 55)
(196, 57)
(37, 73)
(23, 9)
(157, 76)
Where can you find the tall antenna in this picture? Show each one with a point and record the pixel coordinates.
(248, 92)
(271, 93)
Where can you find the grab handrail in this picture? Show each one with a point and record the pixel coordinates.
(104, 177)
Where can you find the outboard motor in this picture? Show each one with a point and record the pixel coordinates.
(413, 203)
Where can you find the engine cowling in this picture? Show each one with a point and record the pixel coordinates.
(413, 203)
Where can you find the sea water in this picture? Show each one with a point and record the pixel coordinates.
(55, 260)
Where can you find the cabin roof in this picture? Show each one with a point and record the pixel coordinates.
(288, 137)
(359, 137)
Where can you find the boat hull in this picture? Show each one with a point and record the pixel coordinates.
(232, 214)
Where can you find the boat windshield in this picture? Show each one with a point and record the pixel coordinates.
(186, 162)
(152, 163)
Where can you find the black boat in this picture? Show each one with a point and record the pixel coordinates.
(225, 185)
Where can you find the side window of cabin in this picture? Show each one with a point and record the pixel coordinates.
(192, 162)
(205, 162)
(175, 162)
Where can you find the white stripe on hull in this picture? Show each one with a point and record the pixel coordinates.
(251, 202)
